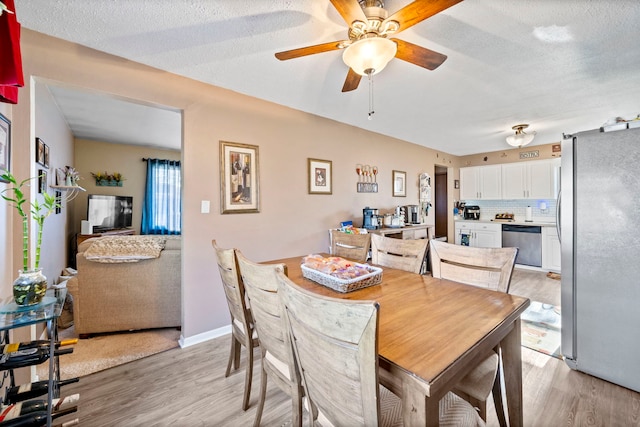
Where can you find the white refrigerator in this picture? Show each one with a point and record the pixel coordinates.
(600, 290)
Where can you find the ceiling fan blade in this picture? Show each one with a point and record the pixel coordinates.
(350, 10)
(309, 50)
(352, 81)
(419, 55)
(418, 11)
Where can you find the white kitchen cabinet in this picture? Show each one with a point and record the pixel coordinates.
(528, 180)
(481, 235)
(481, 183)
(550, 249)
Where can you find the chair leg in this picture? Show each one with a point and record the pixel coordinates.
(231, 354)
(296, 401)
(248, 378)
(236, 356)
(263, 392)
(497, 399)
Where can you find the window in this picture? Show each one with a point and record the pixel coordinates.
(162, 206)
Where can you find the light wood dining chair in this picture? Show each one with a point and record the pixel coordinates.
(351, 246)
(489, 268)
(403, 254)
(336, 349)
(242, 331)
(277, 361)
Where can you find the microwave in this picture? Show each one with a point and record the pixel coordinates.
(472, 212)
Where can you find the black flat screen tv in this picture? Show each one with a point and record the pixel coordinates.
(109, 212)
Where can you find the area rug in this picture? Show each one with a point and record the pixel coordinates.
(108, 350)
(541, 328)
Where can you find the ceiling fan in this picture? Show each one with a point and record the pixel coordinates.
(370, 47)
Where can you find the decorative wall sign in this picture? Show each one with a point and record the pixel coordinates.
(239, 180)
(319, 176)
(530, 154)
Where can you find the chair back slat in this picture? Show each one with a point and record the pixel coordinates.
(336, 345)
(351, 246)
(403, 254)
(489, 268)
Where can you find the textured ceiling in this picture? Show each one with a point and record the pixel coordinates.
(560, 65)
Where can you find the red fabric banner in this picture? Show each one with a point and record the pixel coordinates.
(11, 76)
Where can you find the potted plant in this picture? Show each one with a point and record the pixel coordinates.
(31, 285)
(106, 179)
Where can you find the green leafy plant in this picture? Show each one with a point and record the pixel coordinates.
(105, 176)
(39, 212)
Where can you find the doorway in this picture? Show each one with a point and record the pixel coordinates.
(441, 197)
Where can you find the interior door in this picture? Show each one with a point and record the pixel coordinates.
(441, 205)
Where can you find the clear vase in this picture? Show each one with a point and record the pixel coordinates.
(29, 288)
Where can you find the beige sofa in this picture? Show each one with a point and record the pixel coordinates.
(124, 296)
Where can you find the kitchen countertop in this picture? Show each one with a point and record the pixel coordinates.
(538, 222)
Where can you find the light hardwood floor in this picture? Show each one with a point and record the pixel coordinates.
(186, 387)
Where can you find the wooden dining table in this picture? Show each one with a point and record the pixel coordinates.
(432, 332)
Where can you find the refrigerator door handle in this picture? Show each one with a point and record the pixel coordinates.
(558, 210)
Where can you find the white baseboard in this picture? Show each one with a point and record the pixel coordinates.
(205, 336)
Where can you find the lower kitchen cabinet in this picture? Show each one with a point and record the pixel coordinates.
(481, 235)
(550, 249)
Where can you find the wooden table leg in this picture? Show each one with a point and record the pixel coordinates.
(417, 409)
(512, 363)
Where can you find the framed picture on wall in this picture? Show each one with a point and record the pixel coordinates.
(42, 181)
(46, 156)
(319, 176)
(399, 183)
(40, 151)
(239, 180)
(5, 145)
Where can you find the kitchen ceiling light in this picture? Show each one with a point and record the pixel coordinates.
(520, 138)
(369, 56)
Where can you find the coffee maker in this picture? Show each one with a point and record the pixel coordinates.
(412, 214)
(371, 219)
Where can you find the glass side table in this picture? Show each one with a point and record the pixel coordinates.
(14, 316)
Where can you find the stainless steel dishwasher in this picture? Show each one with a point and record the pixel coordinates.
(528, 240)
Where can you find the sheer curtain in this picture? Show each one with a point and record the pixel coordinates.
(162, 207)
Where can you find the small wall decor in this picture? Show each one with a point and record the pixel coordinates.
(67, 177)
(46, 156)
(239, 180)
(105, 179)
(58, 196)
(399, 183)
(40, 151)
(5, 145)
(319, 176)
(367, 178)
(42, 181)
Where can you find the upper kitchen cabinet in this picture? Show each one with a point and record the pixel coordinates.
(481, 182)
(529, 180)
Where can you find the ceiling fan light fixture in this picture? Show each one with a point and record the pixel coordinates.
(369, 55)
(520, 138)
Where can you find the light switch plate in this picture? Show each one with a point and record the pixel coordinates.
(204, 206)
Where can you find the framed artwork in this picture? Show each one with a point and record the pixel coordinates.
(58, 195)
(39, 151)
(42, 181)
(399, 183)
(46, 156)
(5, 145)
(319, 176)
(239, 180)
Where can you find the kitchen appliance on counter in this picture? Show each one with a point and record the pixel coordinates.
(371, 218)
(472, 212)
(600, 269)
(412, 214)
(504, 217)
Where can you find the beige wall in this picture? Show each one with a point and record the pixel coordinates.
(291, 222)
(98, 156)
(509, 156)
